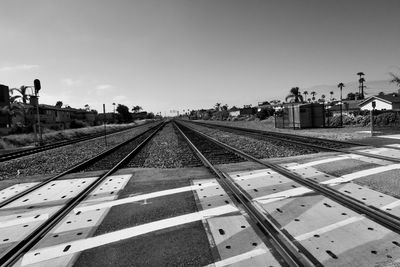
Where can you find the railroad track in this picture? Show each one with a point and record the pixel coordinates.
(315, 142)
(34, 150)
(109, 161)
(308, 142)
(290, 249)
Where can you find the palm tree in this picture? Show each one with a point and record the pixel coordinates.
(294, 95)
(331, 93)
(313, 93)
(87, 107)
(395, 79)
(323, 98)
(22, 92)
(361, 81)
(136, 109)
(360, 90)
(305, 93)
(341, 85)
(309, 100)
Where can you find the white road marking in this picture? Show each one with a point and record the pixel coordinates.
(282, 195)
(394, 136)
(144, 197)
(342, 223)
(391, 205)
(322, 161)
(355, 175)
(238, 258)
(393, 145)
(64, 249)
(343, 179)
(328, 228)
(18, 221)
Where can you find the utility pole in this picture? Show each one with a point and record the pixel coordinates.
(104, 123)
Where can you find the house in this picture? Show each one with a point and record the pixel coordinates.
(349, 106)
(247, 110)
(263, 105)
(382, 102)
(234, 112)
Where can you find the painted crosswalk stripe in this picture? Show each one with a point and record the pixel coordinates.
(238, 258)
(332, 182)
(64, 249)
(144, 197)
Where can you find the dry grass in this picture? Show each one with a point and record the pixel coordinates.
(49, 136)
(346, 133)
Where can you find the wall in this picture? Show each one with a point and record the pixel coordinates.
(379, 105)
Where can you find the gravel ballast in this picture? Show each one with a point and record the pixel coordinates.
(60, 159)
(257, 148)
(166, 150)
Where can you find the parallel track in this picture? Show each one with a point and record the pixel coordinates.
(310, 142)
(18, 250)
(383, 218)
(34, 150)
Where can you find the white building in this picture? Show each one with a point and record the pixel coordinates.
(382, 102)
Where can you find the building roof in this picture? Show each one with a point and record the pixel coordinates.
(387, 98)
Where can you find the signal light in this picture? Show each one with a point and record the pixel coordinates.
(36, 84)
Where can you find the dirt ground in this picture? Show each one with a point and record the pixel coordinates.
(345, 133)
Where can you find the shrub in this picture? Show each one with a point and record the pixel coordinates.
(75, 124)
(265, 113)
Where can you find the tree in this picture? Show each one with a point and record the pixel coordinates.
(294, 95)
(313, 93)
(331, 93)
(87, 107)
(395, 79)
(124, 111)
(22, 92)
(217, 106)
(322, 99)
(305, 93)
(59, 104)
(351, 96)
(136, 109)
(340, 85)
(225, 107)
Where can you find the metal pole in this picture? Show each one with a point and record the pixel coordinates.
(104, 123)
(341, 108)
(372, 121)
(38, 119)
(294, 127)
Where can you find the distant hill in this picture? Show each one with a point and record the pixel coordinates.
(373, 88)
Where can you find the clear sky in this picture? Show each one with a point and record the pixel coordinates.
(189, 54)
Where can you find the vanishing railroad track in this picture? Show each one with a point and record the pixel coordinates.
(109, 161)
(209, 149)
(33, 150)
(308, 142)
(211, 153)
(315, 142)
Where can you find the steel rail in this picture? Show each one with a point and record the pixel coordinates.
(75, 168)
(340, 150)
(34, 150)
(293, 254)
(383, 218)
(276, 134)
(15, 253)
